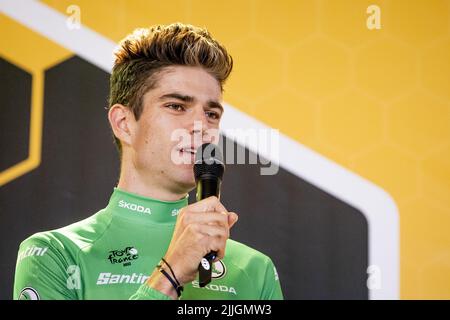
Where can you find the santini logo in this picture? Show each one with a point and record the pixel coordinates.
(134, 207)
(32, 251)
(109, 278)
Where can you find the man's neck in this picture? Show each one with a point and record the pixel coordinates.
(132, 182)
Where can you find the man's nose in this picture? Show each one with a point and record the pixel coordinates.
(201, 130)
(199, 122)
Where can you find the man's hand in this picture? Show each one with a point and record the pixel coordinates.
(201, 227)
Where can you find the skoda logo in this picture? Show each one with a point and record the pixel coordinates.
(29, 293)
(218, 270)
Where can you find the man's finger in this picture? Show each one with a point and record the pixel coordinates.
(214, 231)
(209, 204)
(232, 219)
(212, 218)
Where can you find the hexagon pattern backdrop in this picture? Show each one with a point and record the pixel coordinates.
(372, 103)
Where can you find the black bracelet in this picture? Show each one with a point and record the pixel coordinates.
(176, 285)
(171, 270)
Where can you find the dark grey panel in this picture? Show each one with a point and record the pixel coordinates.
(79, 163)
(15, 93)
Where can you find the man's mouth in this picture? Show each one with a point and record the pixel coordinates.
(187, 154)
(188, 150)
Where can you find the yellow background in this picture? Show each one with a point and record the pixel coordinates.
(375, 101)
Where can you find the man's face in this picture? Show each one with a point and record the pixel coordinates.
(186, 101)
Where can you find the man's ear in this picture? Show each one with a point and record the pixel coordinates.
(122, 122)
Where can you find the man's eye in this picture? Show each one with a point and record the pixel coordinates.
(176, 107)
(213, 115)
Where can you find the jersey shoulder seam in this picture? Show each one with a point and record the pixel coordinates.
(97, 239)
(264, 256)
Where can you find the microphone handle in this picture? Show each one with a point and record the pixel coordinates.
(207, 187)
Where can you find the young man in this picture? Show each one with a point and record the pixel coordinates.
(165, 78)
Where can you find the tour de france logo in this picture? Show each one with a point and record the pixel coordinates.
(124, 256)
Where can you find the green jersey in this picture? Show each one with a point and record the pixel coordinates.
(111, 254)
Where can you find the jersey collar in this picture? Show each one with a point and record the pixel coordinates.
(143, 209)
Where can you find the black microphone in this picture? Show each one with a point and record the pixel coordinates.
(208, 172)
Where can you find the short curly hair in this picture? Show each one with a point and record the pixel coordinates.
(144, 53)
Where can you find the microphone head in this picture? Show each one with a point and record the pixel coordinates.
(208, 162)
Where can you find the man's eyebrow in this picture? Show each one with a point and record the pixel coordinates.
(186, 98)
(214, 104)
(178, 96)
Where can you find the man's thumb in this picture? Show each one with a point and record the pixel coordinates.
(232, 218)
